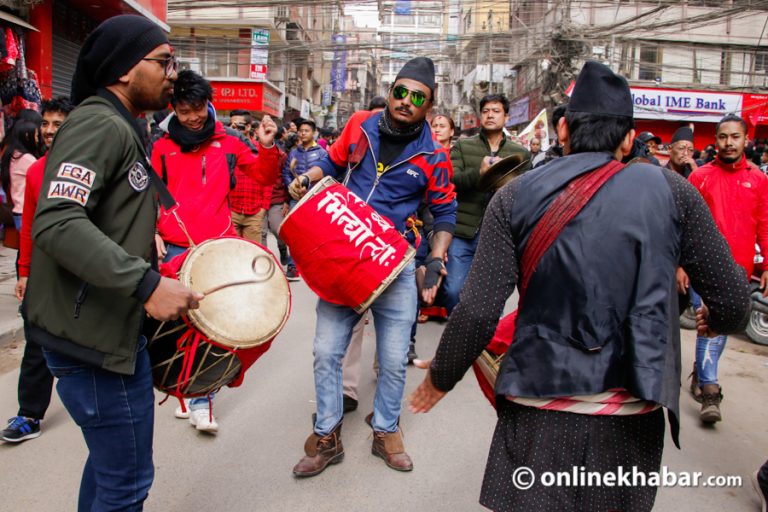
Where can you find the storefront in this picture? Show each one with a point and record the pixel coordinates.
(259, 98)
(63, 26)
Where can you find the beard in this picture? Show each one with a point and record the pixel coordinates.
(729, 159)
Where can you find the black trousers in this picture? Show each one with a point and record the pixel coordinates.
(35, 383)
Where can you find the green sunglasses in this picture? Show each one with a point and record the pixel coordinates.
(417, 97)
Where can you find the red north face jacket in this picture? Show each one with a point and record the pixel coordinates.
(737, 196)
(201, 181)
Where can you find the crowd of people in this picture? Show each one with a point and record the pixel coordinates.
(585, 386)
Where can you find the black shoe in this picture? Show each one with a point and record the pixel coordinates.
(761, 487)
(350, 404)
(283, 257)
(20, 429)
(412, 352)
(291, 273)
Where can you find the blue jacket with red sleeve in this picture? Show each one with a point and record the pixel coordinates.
(422, 172)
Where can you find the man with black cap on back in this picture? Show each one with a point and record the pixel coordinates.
(92, 279)
(402, 166)
(582, 386)
(681, 152)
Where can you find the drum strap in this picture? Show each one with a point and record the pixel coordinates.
(166, 198)
(563, 209)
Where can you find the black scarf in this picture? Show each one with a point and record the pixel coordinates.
(410, 132)
(187, 139)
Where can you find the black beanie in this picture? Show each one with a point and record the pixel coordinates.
(599, 90)
(111, 50)
(421, 69)
(682, 133)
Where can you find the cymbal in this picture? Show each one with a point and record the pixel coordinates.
(501, 172)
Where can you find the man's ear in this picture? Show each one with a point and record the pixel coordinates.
(563, 135)
(626, 144)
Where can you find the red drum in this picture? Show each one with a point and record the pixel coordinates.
(247, 302)
(346, 252)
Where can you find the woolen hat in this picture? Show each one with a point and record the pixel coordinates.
(682, 133)
(111, 50)
(421, 69)
(599, 90)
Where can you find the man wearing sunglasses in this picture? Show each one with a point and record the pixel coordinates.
(401, 165)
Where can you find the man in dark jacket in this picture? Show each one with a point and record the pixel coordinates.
(91, 281)
(471, 158)
(588, 372)
(301, 158)
(401, 167)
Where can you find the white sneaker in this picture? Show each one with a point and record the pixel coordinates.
(182, 414)
(203, 420)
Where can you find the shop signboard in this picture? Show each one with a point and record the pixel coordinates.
(259, 54)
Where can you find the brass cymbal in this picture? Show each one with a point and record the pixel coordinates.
(501, 172)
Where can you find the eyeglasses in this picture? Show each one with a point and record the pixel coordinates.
(686, 149)
(417, 97)
(170, 63)
(239, 127)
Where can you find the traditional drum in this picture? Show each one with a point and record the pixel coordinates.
(247, 302)
(487, 366)
(346, 252)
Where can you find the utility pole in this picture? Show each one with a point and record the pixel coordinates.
(490, 52)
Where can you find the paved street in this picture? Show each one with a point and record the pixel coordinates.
(247, 466)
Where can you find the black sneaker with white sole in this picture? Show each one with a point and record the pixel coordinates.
(21, 429)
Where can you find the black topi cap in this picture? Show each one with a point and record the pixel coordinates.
(599, 90)
(647, 137)
(111, 50)
(682, 133)
(421, 69)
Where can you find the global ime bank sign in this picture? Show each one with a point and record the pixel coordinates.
(679, 105)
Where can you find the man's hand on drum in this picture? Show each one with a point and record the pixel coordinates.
(171, 299)
(266, 131)
(300, 184)
(426, 395)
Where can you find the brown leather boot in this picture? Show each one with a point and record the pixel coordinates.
(320, 451)
(710, 407)
(389, 446)
(695, 389)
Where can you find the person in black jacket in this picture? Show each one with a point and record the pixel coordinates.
(596, 351)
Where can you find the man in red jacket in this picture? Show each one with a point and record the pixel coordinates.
(197, 157)
(737, 196)
(35, 379)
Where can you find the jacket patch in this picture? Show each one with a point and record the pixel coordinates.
(77, 173)
(138, 177)
(69, 191)
(413, 173)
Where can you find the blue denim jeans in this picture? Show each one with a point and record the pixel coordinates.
(116, 414)
(708, 350)
(460, 255)
(393, 313)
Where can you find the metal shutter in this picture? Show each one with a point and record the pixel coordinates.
(64, 59)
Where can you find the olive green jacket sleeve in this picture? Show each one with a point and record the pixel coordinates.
(465, 177)
(67, 226)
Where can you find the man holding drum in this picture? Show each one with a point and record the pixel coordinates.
(91, 282)
(390, 160)
(197, 158)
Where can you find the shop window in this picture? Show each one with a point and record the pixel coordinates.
(650, 63)
(761, 62)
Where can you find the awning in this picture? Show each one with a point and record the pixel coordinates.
(16, 21)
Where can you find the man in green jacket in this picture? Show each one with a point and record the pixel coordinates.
(91, 281)
(471, 158)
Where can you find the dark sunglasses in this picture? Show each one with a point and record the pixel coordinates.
(170, 63)
(417, 97)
